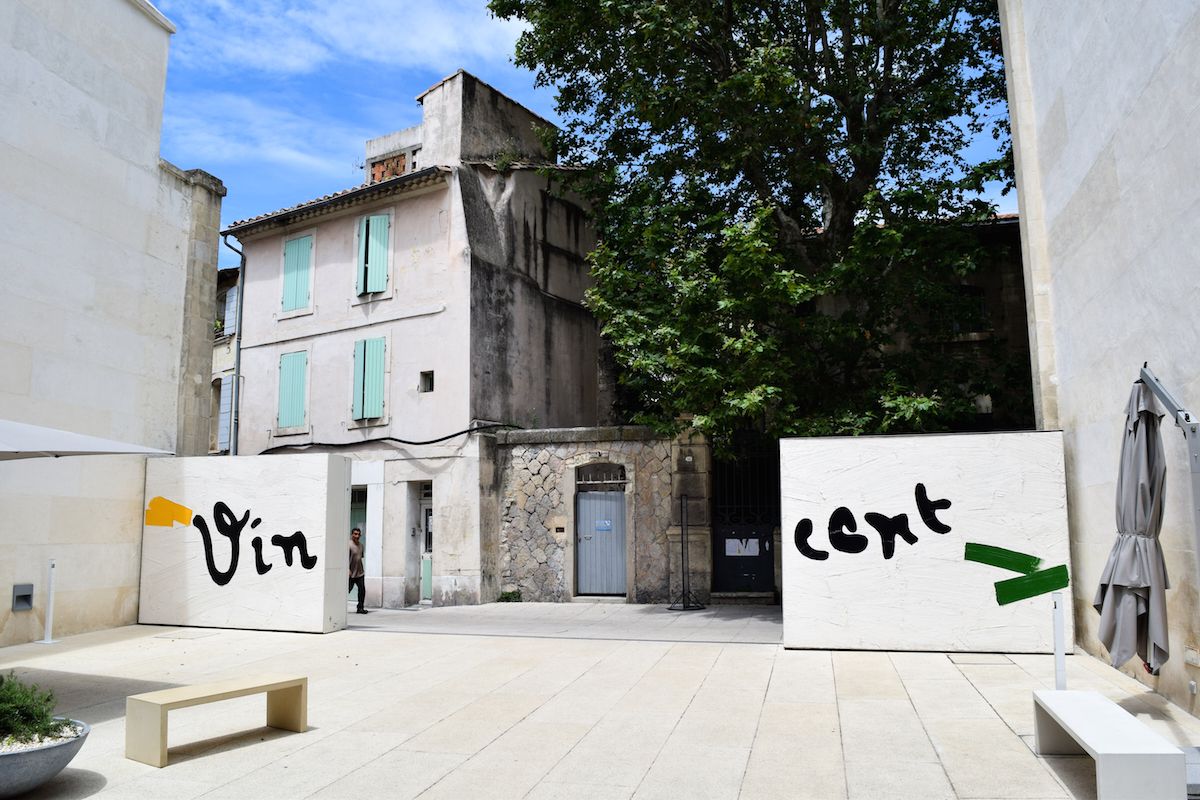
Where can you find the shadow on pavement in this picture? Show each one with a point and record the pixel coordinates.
(91, 698)
(70, 784)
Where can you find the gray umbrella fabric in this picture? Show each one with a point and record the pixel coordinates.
(19, 440)
(1131, 598)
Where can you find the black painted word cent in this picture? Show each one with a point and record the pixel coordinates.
(843, 527)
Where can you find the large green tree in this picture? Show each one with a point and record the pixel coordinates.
(783, 199)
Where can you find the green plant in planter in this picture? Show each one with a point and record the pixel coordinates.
(27, 713)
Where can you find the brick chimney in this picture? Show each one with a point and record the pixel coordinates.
(388, 167)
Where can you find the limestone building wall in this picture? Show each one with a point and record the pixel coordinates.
(1105, 105)
(107, 301)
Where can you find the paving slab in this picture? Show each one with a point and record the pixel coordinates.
(572, 700)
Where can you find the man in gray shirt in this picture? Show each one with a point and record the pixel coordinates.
(356, 568)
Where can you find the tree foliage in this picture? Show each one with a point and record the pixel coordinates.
(783, 200)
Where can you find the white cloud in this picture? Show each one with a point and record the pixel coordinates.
(276, 36)
(219, 128)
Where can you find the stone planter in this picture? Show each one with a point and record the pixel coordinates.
(23, 770)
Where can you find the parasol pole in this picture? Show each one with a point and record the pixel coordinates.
(1060, 648)
(1190, 425)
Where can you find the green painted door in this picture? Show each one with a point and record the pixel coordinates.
(427, 554)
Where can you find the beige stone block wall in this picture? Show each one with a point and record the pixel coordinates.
(99, 308)
(86, 514)
(1104, 107)
(201, 195)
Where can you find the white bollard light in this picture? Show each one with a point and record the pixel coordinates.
(49, 607)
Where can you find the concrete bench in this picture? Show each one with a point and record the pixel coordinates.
(1132, 761)
(146, 714)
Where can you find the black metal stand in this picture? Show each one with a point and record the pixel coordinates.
(686, 600)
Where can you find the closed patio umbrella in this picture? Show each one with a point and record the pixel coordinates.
(1131, 598)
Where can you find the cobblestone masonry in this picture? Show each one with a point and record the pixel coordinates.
(536, 514)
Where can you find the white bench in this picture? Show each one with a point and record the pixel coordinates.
(146, 714)
(1132, 761)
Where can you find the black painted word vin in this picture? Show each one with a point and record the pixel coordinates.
(231, 527)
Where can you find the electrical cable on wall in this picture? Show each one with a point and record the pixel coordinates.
(475, 429)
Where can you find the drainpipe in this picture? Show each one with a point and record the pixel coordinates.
(236, 393)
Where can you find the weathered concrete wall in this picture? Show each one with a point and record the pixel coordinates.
(464, 119)
(494, 125)
(537, 510)
(1104, 110)
(97, 264)
(201, 195)
(535, 349)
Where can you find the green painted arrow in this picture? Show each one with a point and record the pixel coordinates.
(1000, 557)
(1046, 580)
(1032, 581)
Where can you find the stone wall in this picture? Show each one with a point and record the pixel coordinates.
(1106, 177)
(537, 509)
(96, 259)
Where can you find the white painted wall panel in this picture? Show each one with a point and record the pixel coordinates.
(1005, 490)
(305, 493)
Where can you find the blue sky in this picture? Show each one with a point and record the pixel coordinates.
(277, 97)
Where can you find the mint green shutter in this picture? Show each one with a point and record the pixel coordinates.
(368, 378)
(297, 264)
(293, 374)
(377, 253)
(361, 284)
(359, 359)
(373, 379)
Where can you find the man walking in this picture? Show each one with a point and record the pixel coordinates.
(356, 568)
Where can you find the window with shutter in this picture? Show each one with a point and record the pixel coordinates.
(297, 272)
(231, 310)
(293, 379)
(373, 234)
(368, 378)
(224, 411)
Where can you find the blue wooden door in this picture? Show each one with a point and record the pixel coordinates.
(600, 543)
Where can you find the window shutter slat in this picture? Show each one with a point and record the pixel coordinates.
(377, 253)
(361, 283)
(359, 362)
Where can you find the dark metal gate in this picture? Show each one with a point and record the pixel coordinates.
(745, 516)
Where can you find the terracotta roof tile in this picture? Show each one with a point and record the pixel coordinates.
(411, 180)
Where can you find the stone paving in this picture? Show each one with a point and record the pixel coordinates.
(572, 700)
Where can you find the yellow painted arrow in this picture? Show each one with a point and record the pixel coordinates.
(164, 513)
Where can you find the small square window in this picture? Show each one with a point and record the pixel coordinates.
(426, 382)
